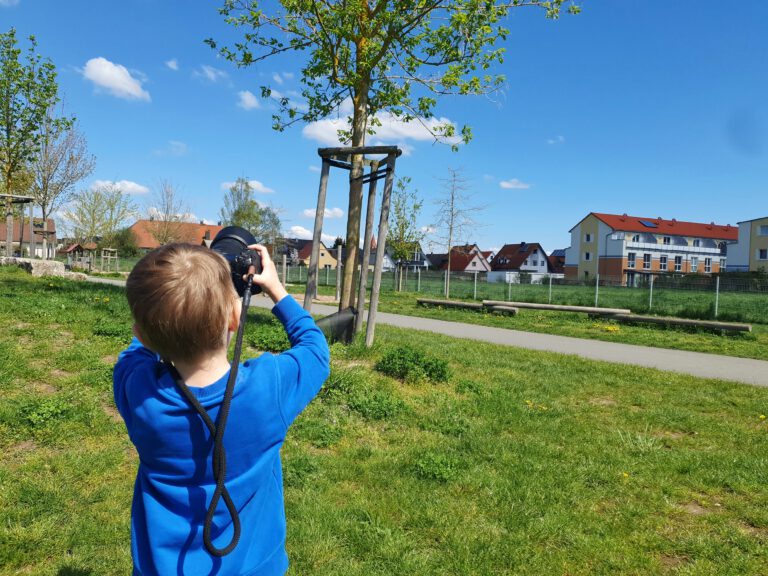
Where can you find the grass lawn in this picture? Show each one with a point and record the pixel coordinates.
(521, 463)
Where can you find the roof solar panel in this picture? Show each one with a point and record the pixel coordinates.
(648, 224)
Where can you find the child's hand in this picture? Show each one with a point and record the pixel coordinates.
(268, 279)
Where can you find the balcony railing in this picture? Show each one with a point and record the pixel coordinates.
(649, 247)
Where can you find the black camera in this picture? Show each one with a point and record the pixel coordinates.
(232, 242)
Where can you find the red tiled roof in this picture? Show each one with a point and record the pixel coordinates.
(512, 256)
(37, 224)
(188, 232)
(625, 223)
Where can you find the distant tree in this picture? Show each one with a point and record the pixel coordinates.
(98, 212)
(404, 235)
(339, 242)
(27, 91)
(396, 56)
(123, 241)
(62, 161)
(455, 211)
(242, 209)
(166, 214)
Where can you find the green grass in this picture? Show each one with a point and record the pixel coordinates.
(520, 463)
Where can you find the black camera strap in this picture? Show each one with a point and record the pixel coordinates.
(219, 456)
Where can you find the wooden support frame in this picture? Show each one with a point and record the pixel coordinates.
(341, 158)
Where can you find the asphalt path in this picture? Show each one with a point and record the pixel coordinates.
(744, 370)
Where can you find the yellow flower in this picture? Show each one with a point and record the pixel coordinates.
(106, 300)
(625, 474)
(762, 416)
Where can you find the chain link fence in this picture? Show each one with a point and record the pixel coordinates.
(727, 297)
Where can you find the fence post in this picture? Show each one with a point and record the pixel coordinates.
(597, 287)
(338, 277)
(285, 279)
(474, 293)
(550, 289)
(418, 279)
(717, 294)
(509, 289)
(650, 298)
(405, 280)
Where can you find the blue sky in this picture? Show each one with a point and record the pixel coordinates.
(649, 107)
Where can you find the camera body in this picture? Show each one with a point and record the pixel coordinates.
(232, 242)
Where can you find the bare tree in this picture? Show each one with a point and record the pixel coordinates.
(98, 213)
(62, 162)
(455, 215)
(167, 213)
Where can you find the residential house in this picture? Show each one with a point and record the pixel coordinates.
(625, 248)
(149, 234)
(750, 252)
(557, 261)
(387, 263)
(416, 257)
(466, 258)
(299, 252)
(516, 261)
(20, 243)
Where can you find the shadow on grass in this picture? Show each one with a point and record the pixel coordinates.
(69, 571)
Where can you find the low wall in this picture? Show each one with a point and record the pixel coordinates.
(42, 267)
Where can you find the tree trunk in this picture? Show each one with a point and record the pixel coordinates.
(359, 120)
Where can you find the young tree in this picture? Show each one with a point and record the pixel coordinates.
(62, 161)
(166, 213)
(242, 209)
(27, 91)
(455, 212)
(396, 56)
(99, 212)
(404, 235)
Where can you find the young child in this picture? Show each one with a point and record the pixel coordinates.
(185, 310)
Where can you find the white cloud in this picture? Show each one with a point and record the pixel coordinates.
(125, 186)
(556, 140)
(488, 178)
(303, 234)
(255, 185)
(173, 64)
(174, 148)
(248, 100)
(8, 3)
(290, 96)
(314, 169)
(277, 78)
(115, 78)
(185, 217)
(514, 184)
(428, 229)
(392, 129)
(209, 73)
(328, 213)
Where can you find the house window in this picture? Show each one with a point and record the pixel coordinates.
(587, 256)
(636, 238)
(762, 254)
(666, 240)
(663, 259)
(707, 265)
(696, 243)
(474, 263)
(762, 230)
(694, 264)
(722, 264)
(646, 261)
(587, 237)
(630, 260)
(678, 263)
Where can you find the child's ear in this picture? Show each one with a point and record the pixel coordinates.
(234, 316)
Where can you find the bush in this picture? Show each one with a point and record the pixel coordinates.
(376, 404)
(269, 336)
(410, 365)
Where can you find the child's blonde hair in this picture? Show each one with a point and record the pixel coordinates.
(181, 297)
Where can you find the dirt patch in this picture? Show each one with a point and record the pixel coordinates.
(59, 373)
(603, 401)
(22, 325)
(109, 359)
(44, 388)
(670, 435)
(670, 562)
(23, 447)
(694, 509)
(112, 412)
(754, 531)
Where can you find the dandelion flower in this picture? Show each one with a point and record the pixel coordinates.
(762, 416)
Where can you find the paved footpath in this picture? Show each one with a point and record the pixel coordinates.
(743, 370)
